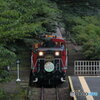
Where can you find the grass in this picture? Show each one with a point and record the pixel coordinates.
(21, 95)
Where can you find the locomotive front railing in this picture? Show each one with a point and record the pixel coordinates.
(57, 62)
(87, 67)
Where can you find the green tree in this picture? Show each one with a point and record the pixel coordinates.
(88, 35)
(82, 19)
(21, 19)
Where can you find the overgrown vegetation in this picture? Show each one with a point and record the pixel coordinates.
(2, 93)
(5, 76)
(20, 20)
(21, 95)
(82, 19)
(88, 35)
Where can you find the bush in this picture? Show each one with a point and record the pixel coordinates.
(5, 76)
(2, 93)
(85, 29)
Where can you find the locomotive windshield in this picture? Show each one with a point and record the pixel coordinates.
(49, 44)
(52, 44)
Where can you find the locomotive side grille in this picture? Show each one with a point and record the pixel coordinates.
(40, 65)
(57, 64)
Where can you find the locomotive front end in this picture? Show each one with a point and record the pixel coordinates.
(50, 64)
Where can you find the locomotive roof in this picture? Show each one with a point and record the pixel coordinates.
(55, 38)
(58, 40)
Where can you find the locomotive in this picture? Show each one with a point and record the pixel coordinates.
(49, 60)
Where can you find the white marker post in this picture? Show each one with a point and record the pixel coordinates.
(18, 79)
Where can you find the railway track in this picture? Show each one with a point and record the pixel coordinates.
(54, 96)
(42, 92)
(59, 92)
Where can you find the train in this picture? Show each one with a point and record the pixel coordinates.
(49, 60)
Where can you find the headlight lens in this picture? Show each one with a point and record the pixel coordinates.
(41, 53)
(57, 53)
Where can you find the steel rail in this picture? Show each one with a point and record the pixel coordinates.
(42, 94)
(57, 93)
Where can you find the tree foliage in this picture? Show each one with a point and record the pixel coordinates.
(20, 19)
(6, 56)
(82, 19)
(24, 18)
(88, 35)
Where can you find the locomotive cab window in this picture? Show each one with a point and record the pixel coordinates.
(48, 44)
(51, 44)
(62, 45)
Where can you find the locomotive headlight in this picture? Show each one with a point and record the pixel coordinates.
(41, 53)
(57, 53)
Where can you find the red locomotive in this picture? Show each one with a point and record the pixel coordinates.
(49, 60)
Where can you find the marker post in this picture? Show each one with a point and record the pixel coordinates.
(18, 79)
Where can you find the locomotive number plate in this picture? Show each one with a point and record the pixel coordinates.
(49, 57)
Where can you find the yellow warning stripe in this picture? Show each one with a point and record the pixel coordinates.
(91, 76)
(85, 87)
(71, 85)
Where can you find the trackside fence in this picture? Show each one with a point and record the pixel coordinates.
(87, 68)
